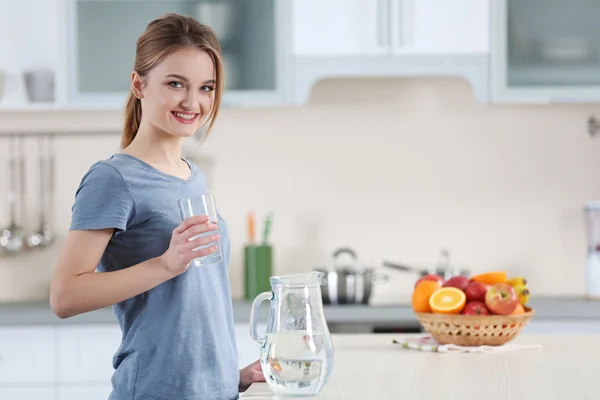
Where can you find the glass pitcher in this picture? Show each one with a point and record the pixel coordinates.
(296, 353)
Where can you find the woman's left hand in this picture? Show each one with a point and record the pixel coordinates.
(250, 374)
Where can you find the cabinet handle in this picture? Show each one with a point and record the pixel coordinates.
(405, 22)
(382, 23)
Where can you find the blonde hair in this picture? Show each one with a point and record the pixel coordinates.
(163, 36)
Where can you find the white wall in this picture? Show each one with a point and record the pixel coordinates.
(393, 168)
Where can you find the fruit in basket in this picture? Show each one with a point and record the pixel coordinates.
(519, 280)
(447, 300)
(519, 310)
(459, 282)
(431, 277)
(522, 293)
(501, 299)
(475, 291)
(490, 278)
(421, 294)
(475, 308)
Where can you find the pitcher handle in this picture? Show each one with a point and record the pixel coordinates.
(255, 305)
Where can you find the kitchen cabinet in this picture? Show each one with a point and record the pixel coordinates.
(85, 352)
(28, 394)
(27, 355)
(73, 392)
(85, 50)
(103, 36)
(390, 38)
(28, 56)
(545, 51)
(248, 351)
(401, 27)
(562, 326)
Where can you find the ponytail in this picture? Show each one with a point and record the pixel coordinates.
(133, 117)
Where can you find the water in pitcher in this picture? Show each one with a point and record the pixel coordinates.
(296, 363)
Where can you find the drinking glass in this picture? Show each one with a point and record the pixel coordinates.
(203, 205)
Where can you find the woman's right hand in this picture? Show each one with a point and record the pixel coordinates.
(180, 253)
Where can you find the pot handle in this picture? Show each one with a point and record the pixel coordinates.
(253, 323)
(380, 278)
(346, 250)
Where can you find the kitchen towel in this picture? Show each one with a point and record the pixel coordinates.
(427, 343)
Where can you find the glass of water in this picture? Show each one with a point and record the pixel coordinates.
(203, 205)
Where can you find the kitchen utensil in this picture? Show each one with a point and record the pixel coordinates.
(474, 330)
(592, 269)
(267, 228)
(203, 204)
(251, 227)
(12, 237)
(220, 16)
(350, 283)
(44, 236)
(296, 353)
(39, 85)
(442, 268)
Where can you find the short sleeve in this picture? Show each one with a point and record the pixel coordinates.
(102, 200)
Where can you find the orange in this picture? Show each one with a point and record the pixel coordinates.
(421, 294)
(519, 310)
(447, 300)
(490, 278)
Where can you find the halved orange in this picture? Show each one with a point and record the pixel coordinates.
(490, 278)
(447, 300)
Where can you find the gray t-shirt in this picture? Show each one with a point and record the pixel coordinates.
(178, 338)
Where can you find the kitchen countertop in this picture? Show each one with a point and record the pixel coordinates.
(545, 307)
(371, 367)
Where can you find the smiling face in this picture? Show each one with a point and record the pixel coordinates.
(178, 94)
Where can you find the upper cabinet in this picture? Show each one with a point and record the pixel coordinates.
(103, 34)
(545, 51)
(28, 57)
(84, 50)
(80, 53)
(390, 38)
(387, 27)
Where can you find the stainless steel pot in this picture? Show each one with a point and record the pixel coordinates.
(349, 283)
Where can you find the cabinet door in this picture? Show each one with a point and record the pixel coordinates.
(85, 352)
(27, 355)
(341, 27)
(562, 326)
(440, 26)
(67, 392)
(546, 51)
(28, 393)
(28, 75)
(103, 38)
(248, 351)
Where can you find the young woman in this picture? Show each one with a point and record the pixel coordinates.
(178, 339)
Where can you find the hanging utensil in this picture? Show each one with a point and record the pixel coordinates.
(44, 236)
(11, 239)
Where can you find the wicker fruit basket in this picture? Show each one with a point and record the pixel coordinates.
(474, 330)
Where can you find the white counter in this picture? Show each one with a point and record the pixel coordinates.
(370, 367)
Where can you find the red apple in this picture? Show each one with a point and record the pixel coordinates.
(476, 291)
(430, 277)
(501, 299)
(459, 282)
(475, 308)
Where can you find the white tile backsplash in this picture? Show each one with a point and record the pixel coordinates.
(392, 168)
